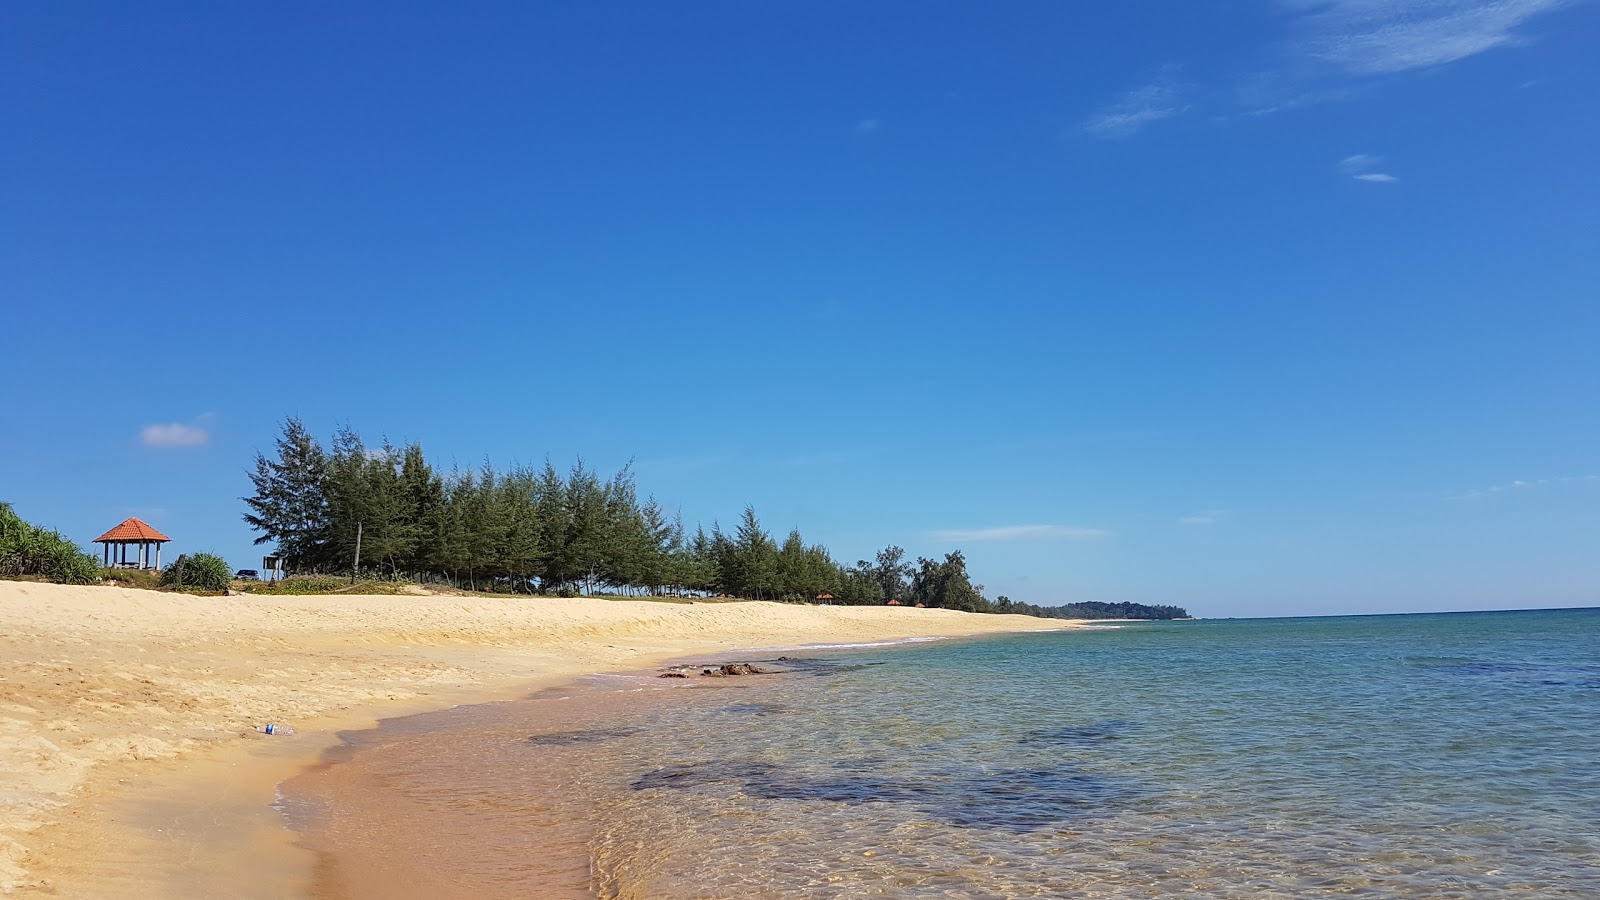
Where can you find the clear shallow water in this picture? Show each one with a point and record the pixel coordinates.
(1410, 756)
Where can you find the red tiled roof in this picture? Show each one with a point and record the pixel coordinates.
(132, 530)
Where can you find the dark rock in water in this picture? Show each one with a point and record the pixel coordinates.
(1014, 800)
(734, 669)
(1551, 674)
(587, 736)
(1080, 735)
(672, 675)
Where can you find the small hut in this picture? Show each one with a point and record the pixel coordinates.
(825, 598)
(892, 603)
(132, 533)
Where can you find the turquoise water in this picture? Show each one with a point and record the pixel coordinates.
(1433, 755)
(1395, 756)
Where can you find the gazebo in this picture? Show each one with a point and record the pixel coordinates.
(133, 533)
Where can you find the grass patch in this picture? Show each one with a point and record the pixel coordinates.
(319, 585)
(296, 585)
(144, 579)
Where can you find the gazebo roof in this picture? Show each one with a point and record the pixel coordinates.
(132, 531)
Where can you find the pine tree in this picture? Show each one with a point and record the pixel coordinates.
(553, 516)
(756, 565)
(424, 507)
(290, 505)
(586, 507)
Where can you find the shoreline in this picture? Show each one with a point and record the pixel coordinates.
(355, 820)
(125, 715)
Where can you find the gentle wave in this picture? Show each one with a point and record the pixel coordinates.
(1407, 757)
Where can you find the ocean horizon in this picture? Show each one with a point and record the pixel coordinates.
(1399, 755)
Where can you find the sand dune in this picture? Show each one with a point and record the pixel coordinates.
(98, 683)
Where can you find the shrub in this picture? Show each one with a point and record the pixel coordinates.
(296, 585)
(206, 571)
(27, 549)
(134, 578)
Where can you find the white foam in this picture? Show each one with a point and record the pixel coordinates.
(914, 640)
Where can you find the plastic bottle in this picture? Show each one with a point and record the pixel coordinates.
(274, 728)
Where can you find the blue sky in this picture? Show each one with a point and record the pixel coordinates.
(1262, 308)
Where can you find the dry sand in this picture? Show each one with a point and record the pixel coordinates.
(127, 752)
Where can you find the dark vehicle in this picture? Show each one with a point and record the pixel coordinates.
(247, 575)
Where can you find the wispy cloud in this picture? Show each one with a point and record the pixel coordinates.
(1204, 517)
(1382, 37)
(1332, 50)
(1360, 167)
(1017, 533)
(174, 434)
(868, 126)
(1142, 106)
(1520, 485)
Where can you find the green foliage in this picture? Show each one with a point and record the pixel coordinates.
(199, 571)
(858, 587)
(543, 531)
(297, 585)
(290, 505)
(1094, 610)
(891, 572)
(28, 550)
(309, 585)
(946, 585)
(144, 579)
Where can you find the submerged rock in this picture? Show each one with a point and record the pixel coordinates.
(733, 669)
(1080, 735)
(1018, 800)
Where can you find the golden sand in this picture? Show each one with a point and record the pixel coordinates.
(128, 761)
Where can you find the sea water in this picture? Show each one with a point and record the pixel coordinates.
(1452, 755)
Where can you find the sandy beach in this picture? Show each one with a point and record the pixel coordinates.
(126, 717)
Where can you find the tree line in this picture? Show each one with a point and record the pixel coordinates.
(540, 530)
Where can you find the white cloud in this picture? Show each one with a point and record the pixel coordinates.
(868, 126)
(1334, 50)
(1359, 162)
(1521, 485)
(1017, 533)
(1382, 37)
(173, 435)
(1360, 168)
(1160, 99)
(1204, 517)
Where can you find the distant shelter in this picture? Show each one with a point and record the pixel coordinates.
(144, 541)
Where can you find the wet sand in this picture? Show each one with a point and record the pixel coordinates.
(397, 813)
(129, 763)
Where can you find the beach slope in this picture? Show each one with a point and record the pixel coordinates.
(98, 683)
